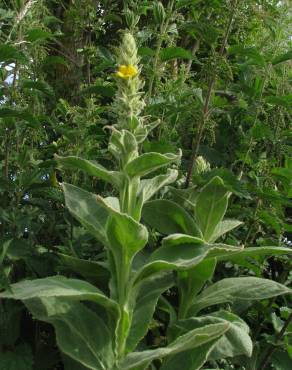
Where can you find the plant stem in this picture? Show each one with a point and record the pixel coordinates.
(197, 140)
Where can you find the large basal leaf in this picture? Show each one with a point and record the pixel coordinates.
(242, 288)
(80, 333)
(211, 206)
(169, 218)
(87, 210)
(91, 168)
(58, 286)
(149, 187)
(190, 340)
(146, 301)
(235, 341)
(149, 162)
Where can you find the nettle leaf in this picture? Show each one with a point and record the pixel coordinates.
(149, 187)
(211, 206)
(236, 341)
(174, 52)
(283, 101)
(58, 286)
(91, 168)
(282, 58)
(146, 301)
(252, 55)
(9, 53)
(168, 218)
(87, 210)
(190, 340)
(38, 85)
(81, 334)
(242, 288)
(149, 162)
(20, 358)
(38, 34)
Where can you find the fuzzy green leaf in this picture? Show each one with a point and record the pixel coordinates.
(211, 206)
(168, 218)
(190, 340)
(149, 162)
(242, 288)
(87, 210)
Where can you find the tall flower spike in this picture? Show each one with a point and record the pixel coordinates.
(128, 104)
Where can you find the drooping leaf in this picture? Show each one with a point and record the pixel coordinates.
(9, 53)
(90, 167)
(58, 286)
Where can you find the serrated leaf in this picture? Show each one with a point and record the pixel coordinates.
(174, 52)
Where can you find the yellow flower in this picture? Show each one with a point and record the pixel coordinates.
(127, 71)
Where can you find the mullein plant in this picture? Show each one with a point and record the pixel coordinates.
(104, 328)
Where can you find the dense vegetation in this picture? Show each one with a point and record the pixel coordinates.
(146, 172)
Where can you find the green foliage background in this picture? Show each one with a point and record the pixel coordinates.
(216, 74)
